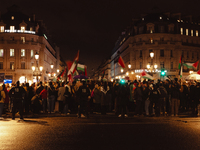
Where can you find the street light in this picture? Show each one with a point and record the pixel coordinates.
(129, 65)
(37, 71)
(122, 70)
(51, 65)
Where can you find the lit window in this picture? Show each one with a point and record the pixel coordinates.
(12, 28)
(22, 52)
(181, 31)
(186, 31)
(29, 19)
(31, 28)
(191, 32)
(32, 53)
(12, 17)
(197, 33)
(160, 17)
(2, 28)
(23, 39)
(22, 65)
(142, 18)
(1, 52)
(12, 52)
(12, 65)
(151, 40)
(22, 28)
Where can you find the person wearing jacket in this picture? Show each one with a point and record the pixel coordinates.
(43, 95)
(162, 99)
(175, 94)
(2, 100)
(61, 97)
(138, 97)
(97, 98)
(68, 96)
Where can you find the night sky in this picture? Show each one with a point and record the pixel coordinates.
(93, 26)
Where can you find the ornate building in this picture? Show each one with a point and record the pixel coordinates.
(166, 35)
(21, 37)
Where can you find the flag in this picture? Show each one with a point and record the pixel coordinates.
(146, 76)
(191, 65)
(121, 62)
(180, 61)
(85, 70)
(181, 73)
(198, 72)
(81, 67)
(69, 64)
(74, 64)
(63, 73)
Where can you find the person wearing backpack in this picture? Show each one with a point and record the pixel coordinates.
(162, 98)
(2, 100)
(18, 93)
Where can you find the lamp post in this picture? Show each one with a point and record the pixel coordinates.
(152, 68)
(51, 74)
(37, 71)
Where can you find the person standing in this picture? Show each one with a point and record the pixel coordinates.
(175, 93)
(138, 97)
(83, 94)
(43, 95)
(61, 97)
(51, 98)
(18, 93)
(68, 96)
(2, 100)
(162, 99)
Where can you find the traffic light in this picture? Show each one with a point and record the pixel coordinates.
(162, 73)
(122, 81)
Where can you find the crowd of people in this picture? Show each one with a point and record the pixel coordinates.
(146, 98)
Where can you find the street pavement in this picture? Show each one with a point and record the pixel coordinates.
(101, 132)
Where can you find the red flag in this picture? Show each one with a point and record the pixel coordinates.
(85, 71)
(195, 64)
(121, 62)
(63, 72)
(69, 64)
(198, 72)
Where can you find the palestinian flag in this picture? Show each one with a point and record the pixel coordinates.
(81, 67)
(198, 72)
(180, 61)
(121, 62)
(191, 65)
(146, 76)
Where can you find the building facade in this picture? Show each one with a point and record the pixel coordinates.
(167, 35)
(21, 36)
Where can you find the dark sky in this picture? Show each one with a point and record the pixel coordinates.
(93, 26)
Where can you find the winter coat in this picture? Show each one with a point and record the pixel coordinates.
(3, 96)
(61, 92)
(97, 96)
(138, 93)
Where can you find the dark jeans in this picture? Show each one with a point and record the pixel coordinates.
(61, 106)
(17, 105)
(139, 107)
(44, 105)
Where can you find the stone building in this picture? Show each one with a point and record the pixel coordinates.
(21, 36)
(167, 35)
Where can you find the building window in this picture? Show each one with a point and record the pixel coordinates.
(162, 65)
(191, 32)
(12, 28)
(140, 53)
(12, 17)
(171, 53)
(187, 55)
(1, 52)
(32, 53)
(197, 33)
(162, 39)
(1, 65)
(151, 40)
(23, 39)
(22, 52)
(181, 30)
(186, 31)
(22, 28)
(12, 38)
(140, 65)
(12, 65)
(160, 18)
(31, 28)
(32, 39)
(2, 28)
(22, 65)
(171, 66)
(162, 29)
(162, 53)
(29, 19)
(12, 52)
